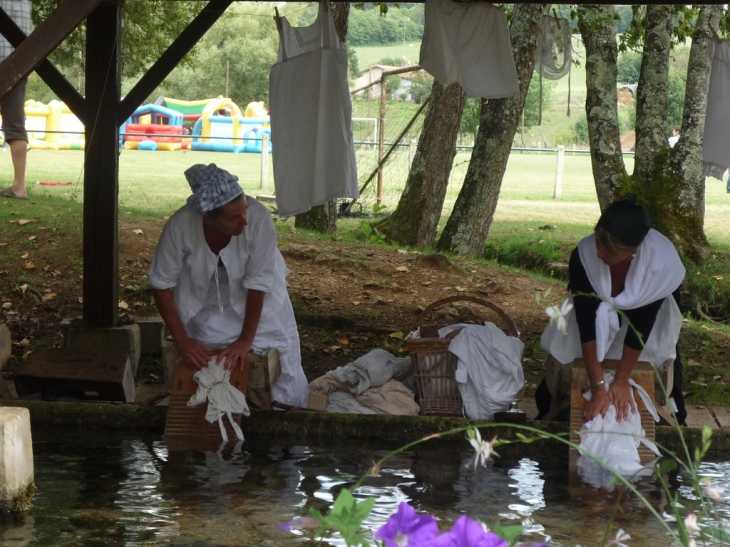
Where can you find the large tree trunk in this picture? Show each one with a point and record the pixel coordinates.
(469, 223)
(596, 25)
(653, 90)
(323, 218)
(683, 216)
(415, 220)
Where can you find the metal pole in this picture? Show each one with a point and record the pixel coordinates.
(265, 161)
(411, 151)
(559, 161)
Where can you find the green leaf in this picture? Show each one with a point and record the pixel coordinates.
(667, 466)
(508, 533)
(717, 533)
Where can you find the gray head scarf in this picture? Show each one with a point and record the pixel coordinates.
(211, 186)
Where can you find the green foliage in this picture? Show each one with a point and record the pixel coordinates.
(392, 84)
(372, 234)
(421, 85)
(628, 67)
(248, 40)
(352, 61)
(470, 117)
(390, 61)
(346, 517)
(369, 27)
(627, 118)
(148, 28)
(677, 84)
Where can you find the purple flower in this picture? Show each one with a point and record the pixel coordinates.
(468, 533)
(407, 529)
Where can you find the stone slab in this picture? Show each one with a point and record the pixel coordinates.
(722, 415)
(5, 344)
(126, 338)
(700, 416)
(152, 334)
(90, 374)
(149, 394)
(16, 455)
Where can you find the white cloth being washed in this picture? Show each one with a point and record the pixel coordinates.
(469, 43)
(489, 373)
(311, 117)
(223, 399)
(615, 443)
(655, 273)
(716, 141)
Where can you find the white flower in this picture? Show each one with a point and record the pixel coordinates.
(621, 536)
(713, 492)
(690, 522)
(484, 449)
(558, 314)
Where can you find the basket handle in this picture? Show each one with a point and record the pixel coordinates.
(512, 327)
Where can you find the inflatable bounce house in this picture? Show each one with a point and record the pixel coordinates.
(53, 126)
(153, 127)
(222, 128)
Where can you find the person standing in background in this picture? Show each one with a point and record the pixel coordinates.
(675, 136)
(12, 106)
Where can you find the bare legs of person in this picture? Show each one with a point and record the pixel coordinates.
(18, 153)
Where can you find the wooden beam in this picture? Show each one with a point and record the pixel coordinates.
(171, 58)
(101, 166)
(46, 70)
(32, 51)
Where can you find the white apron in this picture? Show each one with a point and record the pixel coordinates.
(311, 117)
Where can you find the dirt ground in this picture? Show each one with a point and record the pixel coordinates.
(348, 297)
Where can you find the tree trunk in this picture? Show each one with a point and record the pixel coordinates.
(683, 219)
(599, 36)
(469, 223)
(323, 218)
(415, 220)
(652, 93)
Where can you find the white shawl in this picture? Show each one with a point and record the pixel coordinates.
(654, 274)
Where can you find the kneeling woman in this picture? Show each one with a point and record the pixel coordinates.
(634, 268)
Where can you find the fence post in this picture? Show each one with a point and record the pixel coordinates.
(411, 151)
(559, 161)
(381, 137)
(265, 161)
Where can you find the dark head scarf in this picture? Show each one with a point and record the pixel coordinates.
(626, 221)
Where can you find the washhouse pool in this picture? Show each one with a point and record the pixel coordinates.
(128, 489)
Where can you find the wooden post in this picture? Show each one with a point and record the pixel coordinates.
(411, 151)
(381, 137)
(265, 161)
(101, 166)
(559, 161)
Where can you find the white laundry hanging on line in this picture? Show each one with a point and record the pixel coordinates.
(223, 399)
(615, 443)
(311, 117)
(716, 141)
(469, 43)
(554, 52)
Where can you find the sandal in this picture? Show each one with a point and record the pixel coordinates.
(8, 193)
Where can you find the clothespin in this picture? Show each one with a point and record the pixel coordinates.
(277, 18)
(557, 21)
(714, 34)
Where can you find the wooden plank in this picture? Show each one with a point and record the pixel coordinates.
(103, 375)
(101, 167)
(32, 51)
(171, 58)
(189, 421)
(46, 70)
(579, 379)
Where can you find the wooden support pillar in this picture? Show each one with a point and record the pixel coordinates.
(101, 166)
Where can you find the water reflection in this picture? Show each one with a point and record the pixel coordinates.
(111, 489)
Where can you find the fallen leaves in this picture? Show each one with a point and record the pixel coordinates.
(48, 297)
(137, 231)
(30, 266)
(7, 305)
(123, 305)
(402, 269)
(24, 221)
(24, 255)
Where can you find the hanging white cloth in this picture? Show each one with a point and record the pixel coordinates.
(311, 117)
(615, 443)
(469, 43)
(554, 50)
(489, 373)
(655, 273)
(223, 399)
(716, 140)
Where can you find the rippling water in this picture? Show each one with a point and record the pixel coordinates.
(112, 489)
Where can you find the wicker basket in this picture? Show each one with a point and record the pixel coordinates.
(434, 366)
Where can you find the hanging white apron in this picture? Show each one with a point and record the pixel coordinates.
(311, 117)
